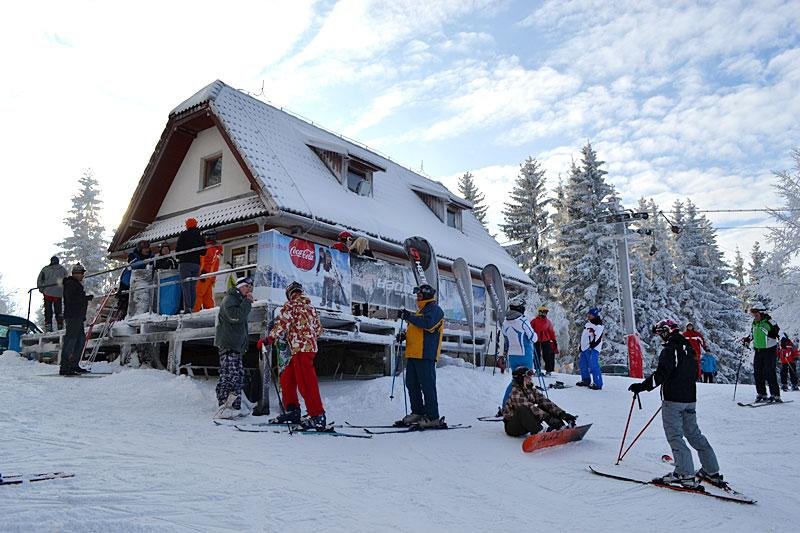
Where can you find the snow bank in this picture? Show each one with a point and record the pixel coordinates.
(147, 458)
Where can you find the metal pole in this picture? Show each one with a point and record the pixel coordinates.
(629, 317)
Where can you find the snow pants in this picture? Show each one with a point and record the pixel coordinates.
(545, 351)
(708, 377)
(589, 363)
(204, 294)
(421, 385)
(764, 371)
(515, 361)
(680, 420)
(73, 341)
(525, 420)
(788, 370)
(231, 377)
(188, 288)
(52, 306)
(300, 374)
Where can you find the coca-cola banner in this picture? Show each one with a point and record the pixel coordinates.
(323, 271)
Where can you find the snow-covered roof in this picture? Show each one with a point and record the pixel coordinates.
(208, 216)
(275, 146)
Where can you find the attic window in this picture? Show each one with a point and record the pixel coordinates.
(359, 181)
(452, 217)
(212, 171)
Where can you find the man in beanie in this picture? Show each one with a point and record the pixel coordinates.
(75, 302)
(189, 261)
(209, 264)
(591, 344)
(49, 284)
(231, 341)
(299, 322)
(526, 407)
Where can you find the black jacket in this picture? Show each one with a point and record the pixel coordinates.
(75, 299)
(188, 239)
(676, 371)
(166, 263)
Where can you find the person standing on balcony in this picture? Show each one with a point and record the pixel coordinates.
(49, 284)
(189, 261)
(209, 263)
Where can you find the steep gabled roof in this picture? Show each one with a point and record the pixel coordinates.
(275, 147)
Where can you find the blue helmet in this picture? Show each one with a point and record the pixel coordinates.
(594, 311)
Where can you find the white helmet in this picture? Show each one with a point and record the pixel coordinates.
(758, 306)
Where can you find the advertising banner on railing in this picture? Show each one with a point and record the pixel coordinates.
(451, 304)
(323, 272)
(382, 284)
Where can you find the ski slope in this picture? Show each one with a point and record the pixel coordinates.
(147, 458)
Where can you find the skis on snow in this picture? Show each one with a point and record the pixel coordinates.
(19, 479)
(761, 404)
(706, 490)
(329, 430)
(547, 439)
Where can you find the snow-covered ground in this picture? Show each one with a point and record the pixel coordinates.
(147, 458)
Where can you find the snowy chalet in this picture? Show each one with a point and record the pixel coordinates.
(248, 169)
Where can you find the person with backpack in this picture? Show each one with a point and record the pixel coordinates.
(591, 344)
(526, 408)
(709, 366)
(764, 336)
(788, 356)
(49, 284)
(518, 342)
(676, 375)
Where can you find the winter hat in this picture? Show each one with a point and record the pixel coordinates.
(78, 268)
(54, 260)
(344, 235)
(191, 222)
(426, 291)
(519, 373)
(758, 306)
(543, 309)
(293, 288)
(594, 311)
(517, 305)
(244, 280)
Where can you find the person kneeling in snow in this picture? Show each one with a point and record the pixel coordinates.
(676, 373)
(231, 340)
(527, 408)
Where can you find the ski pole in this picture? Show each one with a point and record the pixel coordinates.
(625, 433)
(738, 368)
(538, 368)
(640, 433)
(395, 353)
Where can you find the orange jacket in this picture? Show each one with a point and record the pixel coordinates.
(210, 262)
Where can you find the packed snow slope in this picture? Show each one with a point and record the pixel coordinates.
(147, 458)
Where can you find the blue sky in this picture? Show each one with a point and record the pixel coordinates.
(680, 98)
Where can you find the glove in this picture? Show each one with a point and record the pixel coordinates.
(89, 297)
(400, 337)
(555, 347)
(259, 344)
(554, 423)
(745, 340)
(569, 419)
(404, 314)
(636, 388)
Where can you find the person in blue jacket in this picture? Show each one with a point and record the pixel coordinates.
(518, 343)
(708, 364)
(135, 262)
(423, 345)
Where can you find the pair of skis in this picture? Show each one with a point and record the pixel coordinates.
(19, 479)
(762, 404)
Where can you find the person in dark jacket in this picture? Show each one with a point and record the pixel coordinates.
(49, 284)
(231, 341)
(526, 407)
(165, 261)
(75, 303)
(676, 374)
(423, 345)
(189, 262)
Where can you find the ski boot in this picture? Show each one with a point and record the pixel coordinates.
(582, 384)
(291, 416)
(774, 399)
(409, 420)
(785, 388)
(714, 479)
(795, 387)
(317, 423)
(760, 399)
(688, 482)
(595, 387)
(431, 423)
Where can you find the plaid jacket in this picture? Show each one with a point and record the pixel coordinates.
(522, 396)
(299, 321)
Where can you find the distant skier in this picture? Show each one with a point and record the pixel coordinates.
(764, 336)
(698, 343)
(546, 345)
(788, 356)
(709, 366)
(75, 303)
(423, 345)
(526, 407)
(49, 284)
(231, 340)
(299, 321)
(518, 341)
(591, 344)
(676, 376)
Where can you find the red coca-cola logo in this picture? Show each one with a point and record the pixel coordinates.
(302, 254)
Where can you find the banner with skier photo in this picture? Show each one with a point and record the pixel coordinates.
(323, 271)
(381, 284)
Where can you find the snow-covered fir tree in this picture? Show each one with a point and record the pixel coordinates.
(7, 304)
(586, 257)
(470, 192)
(87, 243)
(705, 297)
(526, 224)
(756, 271)
(738, 273)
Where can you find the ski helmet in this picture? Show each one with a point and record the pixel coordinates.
(425, 291)
(517, 304)
(293, 288)
(543, 309)
(594, 311)
(758, 306)
(665, 327)
(519, 373)
(78, 269)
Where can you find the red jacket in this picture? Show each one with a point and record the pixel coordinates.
(696, 340)
(788, 354)
(544, 329)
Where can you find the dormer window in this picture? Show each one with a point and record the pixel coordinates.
(211, 171)
(447, 208)
(353, 172)
(452, 217)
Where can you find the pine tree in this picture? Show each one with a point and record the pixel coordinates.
(738, 269)
(586, 257)
(87, 243)
(756, 271)
(7, 304)
(471, 193)
(526, 223)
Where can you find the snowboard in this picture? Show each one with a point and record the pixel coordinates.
(623, 474)
(18, 479)
(554, 438)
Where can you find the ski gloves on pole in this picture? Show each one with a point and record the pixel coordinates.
(637, 388)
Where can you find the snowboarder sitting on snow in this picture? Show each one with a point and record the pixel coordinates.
(518, 339)
(299, 321)
(423, 345)
(527, 408)
(676, 373)
(591, 344)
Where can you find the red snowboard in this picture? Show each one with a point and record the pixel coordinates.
(554, 438)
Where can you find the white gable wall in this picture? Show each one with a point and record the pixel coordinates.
(185, 191)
